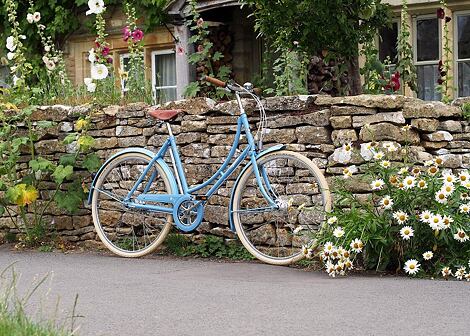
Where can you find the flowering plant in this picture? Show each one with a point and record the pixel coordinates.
(415, 217)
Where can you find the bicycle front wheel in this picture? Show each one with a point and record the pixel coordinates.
(125, 231)
(275, 235)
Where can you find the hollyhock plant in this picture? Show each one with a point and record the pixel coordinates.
(441, 14)
(137, 35)
(126, 33)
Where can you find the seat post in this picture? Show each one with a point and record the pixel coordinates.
(168, 126)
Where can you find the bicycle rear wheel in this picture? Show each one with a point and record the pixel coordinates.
(125, 231)
(276, 235)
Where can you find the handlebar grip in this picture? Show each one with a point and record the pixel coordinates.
(215, 81)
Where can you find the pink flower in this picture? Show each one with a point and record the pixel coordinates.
(200, 48)
(105, 51)
(126, 33)
(109, 60)
(441, 14)
(200, 22)
(137, 35)
(180, 50)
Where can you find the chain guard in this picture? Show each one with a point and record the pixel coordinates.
(187, 220)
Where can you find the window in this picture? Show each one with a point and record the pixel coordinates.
(164, 75)
(427, 56)
(124, 66)
(388, 38)
(462, 42)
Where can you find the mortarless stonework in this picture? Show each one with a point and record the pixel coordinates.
(312, 125)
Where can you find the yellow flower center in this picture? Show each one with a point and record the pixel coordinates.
(406, 232)
(402, 217)
(412, 267)
(461, 234)
(442, 196)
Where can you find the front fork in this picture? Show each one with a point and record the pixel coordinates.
(263, 183)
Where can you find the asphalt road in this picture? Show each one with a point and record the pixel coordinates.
(170, 296)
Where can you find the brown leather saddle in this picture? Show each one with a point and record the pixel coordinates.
(164, 115)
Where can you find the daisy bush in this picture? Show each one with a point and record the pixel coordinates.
(415, 218)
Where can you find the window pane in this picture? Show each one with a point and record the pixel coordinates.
(427, 82)
(165, 95)
(464, 36)
(125, 63)
(165, 70)
(427, 40)
(388, 43)
(464, 79)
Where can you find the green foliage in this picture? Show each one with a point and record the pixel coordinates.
(210, 246)
(391, 222)
(466, 111)
(72, 198)
(204, 58)
(405, 63)
(333, 28)
(92, 162)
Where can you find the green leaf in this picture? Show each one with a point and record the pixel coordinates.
(41, 164)
(86, 142)
(61, 173)
(192, 90)
(71, 199)
(68, 160)
(217, 56)
(92, 162)
(70, 138)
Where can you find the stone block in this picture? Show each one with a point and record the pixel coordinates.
(343, 136)
(391, 117)
(386, 102)
(312, 135)
(125, 131)
(341, 122)
(425, 124)
(387, 131)
(451, 126)
(438, 136)
(419, 109)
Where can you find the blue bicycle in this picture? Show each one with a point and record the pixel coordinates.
(278, 200)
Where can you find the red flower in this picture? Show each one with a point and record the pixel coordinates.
(200, 22)
(97, 44)
(180, 50)
(109, 60)
(441, 14)
(105, 51)
(448, 19)
(200, 48)
(137, 35)
(440, 81)
(126, 33)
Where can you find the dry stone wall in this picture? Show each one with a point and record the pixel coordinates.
(313, 125)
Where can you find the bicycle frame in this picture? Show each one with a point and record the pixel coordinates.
(219, 177)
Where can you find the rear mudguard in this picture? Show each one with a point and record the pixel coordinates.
(260, 155)
(160, 162)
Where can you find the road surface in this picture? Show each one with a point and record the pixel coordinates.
(171, 296)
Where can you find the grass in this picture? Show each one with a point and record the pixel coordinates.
(14, 321)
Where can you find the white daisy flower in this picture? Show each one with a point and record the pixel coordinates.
(379, 156)
(348, 147)
(409, 182)
(428, 255)
(464, 177)
(406, 232)
(416, 171)
(332, 220)
(385, 164)
(377, 184)
(357, 245)
(411, 266)
(386, 202)
(467, 277)
(347, 254)
(465, 184)
(428, 163)
(425, 216)
(461, 236)
(448, 189)
(305, 250)
(328, 247)
(338, 232)
(367, 151)
(464, 208)
(99, 71)
(96, 7)
(436, 222)
(400, 216)
(330, 269)
(465, 196)
(460, 273)
(403, 170)
(447, 221)
(441, 197)
(446, 272)
(422, 184)
(349, 171)
(449, 178)
(348, 265)
(335, 254)
(433, 170)
(438, 161)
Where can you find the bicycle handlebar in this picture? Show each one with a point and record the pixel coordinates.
(214, 81)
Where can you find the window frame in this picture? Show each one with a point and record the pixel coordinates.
(415, 39)
(121, 58)
(154, 69)
(456, 59)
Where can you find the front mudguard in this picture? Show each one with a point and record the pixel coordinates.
(160, 162)
(260, 155)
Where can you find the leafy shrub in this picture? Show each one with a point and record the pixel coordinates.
(416, 217)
